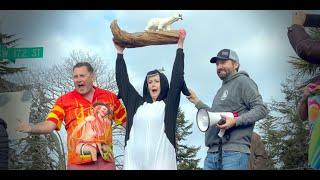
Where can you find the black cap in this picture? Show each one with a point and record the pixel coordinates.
(225, 54)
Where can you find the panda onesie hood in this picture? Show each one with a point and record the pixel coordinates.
(150, 141)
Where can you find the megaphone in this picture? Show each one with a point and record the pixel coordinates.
(205, 119)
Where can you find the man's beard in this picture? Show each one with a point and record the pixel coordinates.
(224, 76)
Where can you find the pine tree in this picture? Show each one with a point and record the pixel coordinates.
(37, 152)
(30, 152)
(8, 41)
(271, 137)
(186, 155)
(284, 133)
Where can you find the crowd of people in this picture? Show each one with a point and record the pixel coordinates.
(89, 112)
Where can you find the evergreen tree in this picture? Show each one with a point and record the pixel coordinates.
(25, 153)
(186, 155)
(8, 41)
(284, 133)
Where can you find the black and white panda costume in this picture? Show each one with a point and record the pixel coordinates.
(150, 141)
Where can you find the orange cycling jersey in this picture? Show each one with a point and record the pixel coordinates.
(88, 122)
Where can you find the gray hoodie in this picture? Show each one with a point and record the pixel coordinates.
(240, 94)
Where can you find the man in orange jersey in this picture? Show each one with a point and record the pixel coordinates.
(75, 107)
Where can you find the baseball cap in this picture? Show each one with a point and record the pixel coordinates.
(225, 54)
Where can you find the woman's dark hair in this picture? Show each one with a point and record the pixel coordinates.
(164, 85)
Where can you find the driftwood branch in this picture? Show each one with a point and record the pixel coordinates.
(140, 39)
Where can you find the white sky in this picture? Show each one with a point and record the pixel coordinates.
(258, 37)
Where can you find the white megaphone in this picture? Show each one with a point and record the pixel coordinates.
(205, 119)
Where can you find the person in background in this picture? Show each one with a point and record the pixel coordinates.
(258, 153)
(309, 109)
(305, 46)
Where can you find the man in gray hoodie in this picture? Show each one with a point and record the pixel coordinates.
(238, 94)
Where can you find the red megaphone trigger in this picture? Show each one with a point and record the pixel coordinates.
(235, 114)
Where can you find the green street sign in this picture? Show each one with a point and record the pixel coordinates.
(20, 53)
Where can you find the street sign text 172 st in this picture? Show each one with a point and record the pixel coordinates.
(22, 53)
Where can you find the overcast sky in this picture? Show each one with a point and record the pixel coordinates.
(258, 37)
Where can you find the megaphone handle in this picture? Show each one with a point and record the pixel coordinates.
(221, 132)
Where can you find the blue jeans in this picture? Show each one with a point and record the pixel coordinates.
(231, 160)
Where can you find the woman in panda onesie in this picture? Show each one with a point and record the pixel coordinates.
(150, 141)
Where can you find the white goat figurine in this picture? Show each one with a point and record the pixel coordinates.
(162, 24)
